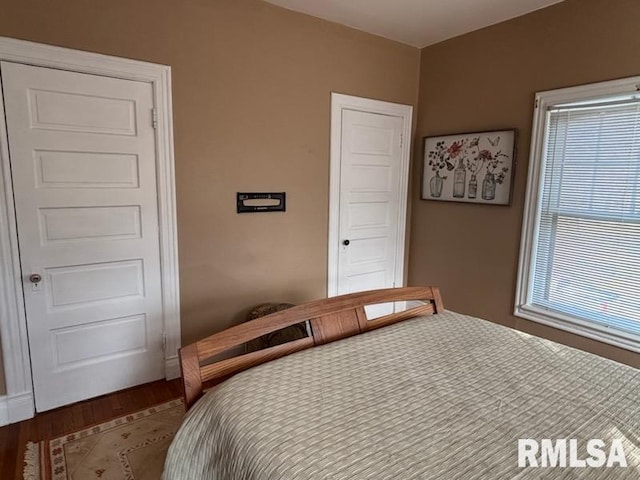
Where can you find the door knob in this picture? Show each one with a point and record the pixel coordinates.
(35, 278)
(346, 242)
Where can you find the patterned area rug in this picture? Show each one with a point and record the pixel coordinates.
(132, 447)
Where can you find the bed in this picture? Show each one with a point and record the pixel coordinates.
(425, 393)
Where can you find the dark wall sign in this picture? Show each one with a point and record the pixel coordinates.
(261, 202)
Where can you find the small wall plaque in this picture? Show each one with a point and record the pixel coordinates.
(261, 202)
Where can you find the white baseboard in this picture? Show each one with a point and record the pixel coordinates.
(171, 367)
(4, 411)
(20, 407)
(16, 408)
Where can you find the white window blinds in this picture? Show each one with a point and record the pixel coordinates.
(587, 249)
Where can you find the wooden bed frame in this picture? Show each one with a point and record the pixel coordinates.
(331, 319)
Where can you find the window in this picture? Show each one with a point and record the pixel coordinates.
(580, 256)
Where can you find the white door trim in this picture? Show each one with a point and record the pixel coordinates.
(13, 328)
(340, 102)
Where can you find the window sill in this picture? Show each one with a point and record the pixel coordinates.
(576, 326)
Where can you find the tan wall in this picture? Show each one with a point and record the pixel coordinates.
(251, 107)
(486, 80)
(251, 93)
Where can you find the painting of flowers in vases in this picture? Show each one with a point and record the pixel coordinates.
(469, 167)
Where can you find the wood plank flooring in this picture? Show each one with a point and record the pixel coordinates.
(13, 438)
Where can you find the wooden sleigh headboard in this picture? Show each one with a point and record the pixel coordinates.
(331, 319)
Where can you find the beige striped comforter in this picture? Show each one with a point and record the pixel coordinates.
(441, 397)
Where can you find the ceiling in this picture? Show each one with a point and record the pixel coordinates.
(415, 22)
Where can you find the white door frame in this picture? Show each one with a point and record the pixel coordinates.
(340, 102)
(18, 404)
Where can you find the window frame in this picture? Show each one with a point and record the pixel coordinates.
(531, 218)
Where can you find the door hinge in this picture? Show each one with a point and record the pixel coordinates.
(154, 118)
(401, 140)
(164, 341)
(537, 102)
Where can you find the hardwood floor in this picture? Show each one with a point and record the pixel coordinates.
(13, 438)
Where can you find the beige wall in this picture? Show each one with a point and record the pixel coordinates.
(251, 107)
(486, 80)
(251, 96)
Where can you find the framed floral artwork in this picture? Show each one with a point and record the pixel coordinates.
(469, 167)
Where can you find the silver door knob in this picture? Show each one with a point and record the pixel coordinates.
(35, 278)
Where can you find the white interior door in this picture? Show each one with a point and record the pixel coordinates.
(370, 191)
(82, 155)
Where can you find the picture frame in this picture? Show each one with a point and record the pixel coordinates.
(476, 167)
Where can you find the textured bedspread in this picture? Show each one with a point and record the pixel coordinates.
(441, 397)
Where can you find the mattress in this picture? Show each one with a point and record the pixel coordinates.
(446, 396)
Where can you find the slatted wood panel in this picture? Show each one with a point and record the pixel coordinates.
(331, 319)
(335, 326)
